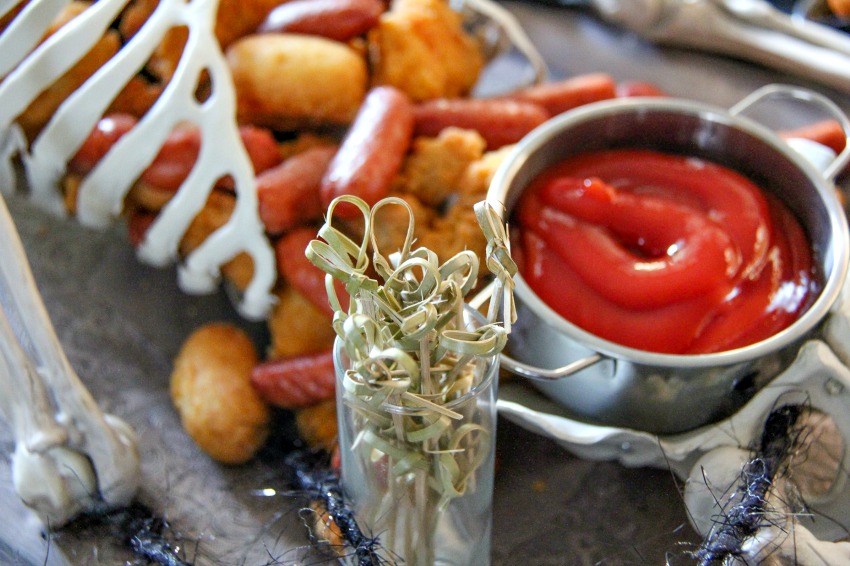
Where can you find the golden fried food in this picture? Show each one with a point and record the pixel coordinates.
(39, 112)
(432, 171)
(297, 326)
(211, 389)
(282, 81)
(151, 199)
(453, 233)
(164, 59)
(317, 425)
(457, 229)
(70, 189)
(238, 18)
(235, 18)
(840, 7)
(420, 47)
(136, 98)
(475, 181)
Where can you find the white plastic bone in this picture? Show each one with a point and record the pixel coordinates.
(792, 543)
(710, 458)
(69, 457)
(749, 29)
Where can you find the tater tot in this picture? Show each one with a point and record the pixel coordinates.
(421, 48)
(211, 389)
(297, 327)
(317, 425)
(840, 7)
(434, 167)
(234, 19)
(288, 81)
(238, 18)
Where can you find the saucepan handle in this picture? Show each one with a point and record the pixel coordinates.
(539, 374)
(831, 167)
(529, 371)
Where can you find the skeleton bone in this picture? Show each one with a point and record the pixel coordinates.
(749, 29)
(69, 456)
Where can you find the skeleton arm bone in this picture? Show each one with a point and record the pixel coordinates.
(69, 456)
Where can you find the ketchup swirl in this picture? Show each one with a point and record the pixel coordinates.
(663, 253)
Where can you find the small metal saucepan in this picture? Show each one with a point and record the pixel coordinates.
(602, 382)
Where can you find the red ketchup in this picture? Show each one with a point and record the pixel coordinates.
(663, 253)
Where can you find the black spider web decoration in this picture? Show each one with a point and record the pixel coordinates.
(750, 514)
(321, 484)
(770, 473)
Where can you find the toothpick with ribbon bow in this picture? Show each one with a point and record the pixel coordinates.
(415, 356)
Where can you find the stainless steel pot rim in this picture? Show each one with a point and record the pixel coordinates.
(838, 254)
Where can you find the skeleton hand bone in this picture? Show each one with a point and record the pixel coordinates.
(747, 29)
(69, 456)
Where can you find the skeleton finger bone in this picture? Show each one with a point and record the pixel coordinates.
(69, 456)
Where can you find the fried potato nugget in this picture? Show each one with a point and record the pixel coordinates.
(420, 47)
(297, 326)
(457, 229)
(211, 389)
(840, 7)
(238, 18)
(289, 81)
(435, 165)
(317, 425)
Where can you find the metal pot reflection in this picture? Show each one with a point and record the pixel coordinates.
(606, 383)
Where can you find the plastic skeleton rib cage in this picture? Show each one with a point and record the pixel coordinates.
(29, 67)
(32, 68)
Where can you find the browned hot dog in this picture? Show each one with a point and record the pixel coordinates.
(500, 121)
(178, 153)
(334, 19)
(295, 382)
(372, 151)
(559, 96)
(299, 272)
(106, 132)
(289, 192)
